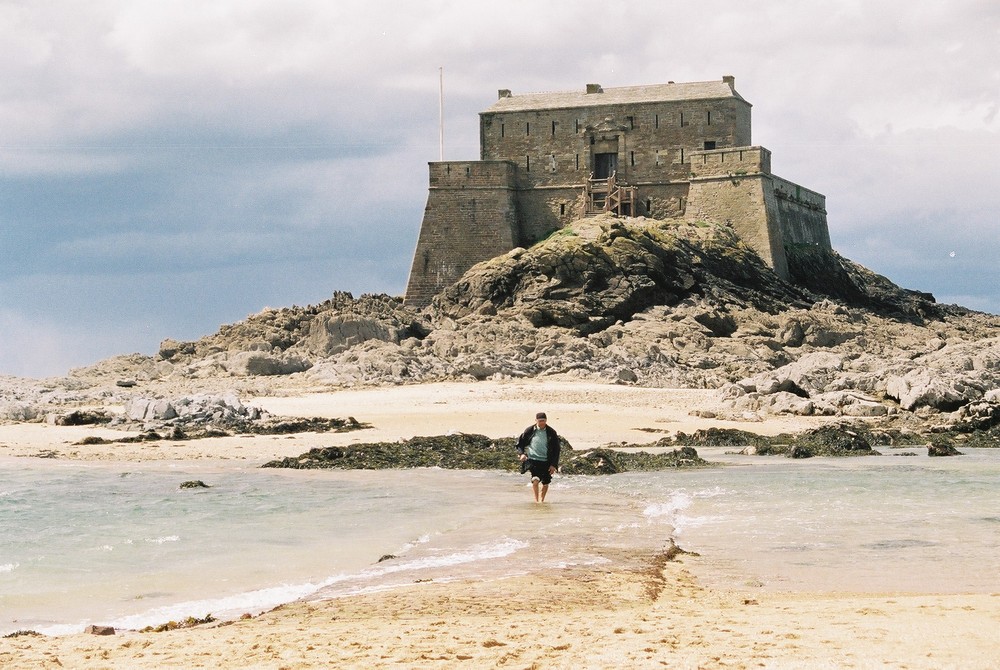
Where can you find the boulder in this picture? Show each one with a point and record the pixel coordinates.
(257, 363)
(789, 403)
(809, 375)
(147, 409)
(935, 389)
(941, 449)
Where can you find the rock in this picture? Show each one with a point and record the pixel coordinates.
(940, 449)
(147, 409)
(18, 411)
(809, 375)
(832, 440)
(251, 363)
(851, 403)
(194, 484)
(979, 415)
(935, 389)
(99, 630)
(82, 418)
(626, 376)
(789, 403)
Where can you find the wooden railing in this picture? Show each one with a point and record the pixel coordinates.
(608, 196)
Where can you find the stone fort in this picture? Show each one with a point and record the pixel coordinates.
(674, 150)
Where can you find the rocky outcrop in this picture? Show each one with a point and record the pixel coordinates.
(624, 301)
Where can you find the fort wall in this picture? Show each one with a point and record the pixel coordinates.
(801, 213)
(683, 150)
(471, 216)
(746, 203)
(651, 141)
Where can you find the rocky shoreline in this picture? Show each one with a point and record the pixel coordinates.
(619, 301)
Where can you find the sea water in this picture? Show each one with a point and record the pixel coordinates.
(124, 545)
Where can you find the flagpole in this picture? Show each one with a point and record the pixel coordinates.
(441, 111)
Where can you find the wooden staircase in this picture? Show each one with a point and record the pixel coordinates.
(607, 196)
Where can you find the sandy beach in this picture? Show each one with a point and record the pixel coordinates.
(598, 617)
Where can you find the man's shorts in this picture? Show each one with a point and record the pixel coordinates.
(540, 469)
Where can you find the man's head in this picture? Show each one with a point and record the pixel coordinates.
(540, 419)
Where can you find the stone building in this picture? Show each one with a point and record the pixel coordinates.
(674, 150)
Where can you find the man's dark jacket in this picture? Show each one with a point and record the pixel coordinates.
(553, 446)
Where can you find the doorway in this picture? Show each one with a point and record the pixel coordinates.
(605, 165)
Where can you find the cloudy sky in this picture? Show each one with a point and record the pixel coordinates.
(167, 167)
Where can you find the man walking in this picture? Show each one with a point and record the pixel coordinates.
(538, 448)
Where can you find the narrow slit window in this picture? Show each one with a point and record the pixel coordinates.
(501, 130)
(578, 161)
(577, 126)
(527, 163)
(631, 158)
(468, 171)
(553, 128)
(649, 206)
(562, 209)
(709, 119)
(631, 123)
(527, 127)
(682, 119)
(682, 154)
(656, 120)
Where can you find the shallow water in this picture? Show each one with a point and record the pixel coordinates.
(123, 545)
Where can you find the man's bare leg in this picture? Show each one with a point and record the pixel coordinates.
(545, 489)
(534, 487)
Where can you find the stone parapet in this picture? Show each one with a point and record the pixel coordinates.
(730, 161)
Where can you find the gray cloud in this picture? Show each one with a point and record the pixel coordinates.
(166, 167)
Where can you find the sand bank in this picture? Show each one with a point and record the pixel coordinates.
(587, 414)
(570, 619)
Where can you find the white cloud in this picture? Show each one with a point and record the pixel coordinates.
(208, 132)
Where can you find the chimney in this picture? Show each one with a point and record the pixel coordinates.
(594, 88)
(503, 93)
(729, 79)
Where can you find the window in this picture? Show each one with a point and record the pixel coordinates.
(562, 209)
(656, 120)
(682, 119)
(709, 117)
(527, 163)
(682, 154)
(501, 130)
(553, 128)
(527, 127)
(649, 206)
(631, 122)
(578, 161)
(631, 158)
(709, 145)
(578, 125)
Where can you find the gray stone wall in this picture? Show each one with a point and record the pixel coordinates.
(652, 141)
(747, 204)
(471, 216)
(802, 214)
